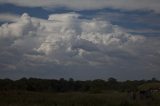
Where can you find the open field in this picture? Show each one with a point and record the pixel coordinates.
(109, 98)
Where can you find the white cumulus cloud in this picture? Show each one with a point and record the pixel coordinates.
(66, 39)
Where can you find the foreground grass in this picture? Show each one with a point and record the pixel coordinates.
(110, 98)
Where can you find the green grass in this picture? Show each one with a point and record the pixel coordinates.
(108, 98)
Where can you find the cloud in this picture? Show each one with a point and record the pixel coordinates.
(67, 42)
(9, 17)
(91, 4)
(65, 39)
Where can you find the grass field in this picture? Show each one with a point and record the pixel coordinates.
(110, 98)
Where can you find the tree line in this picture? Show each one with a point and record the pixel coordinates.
(71, 85)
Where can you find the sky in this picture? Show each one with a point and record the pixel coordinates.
(80, 39)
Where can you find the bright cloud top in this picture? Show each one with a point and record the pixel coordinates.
(64, 39)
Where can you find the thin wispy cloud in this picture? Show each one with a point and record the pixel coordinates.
(146, 5)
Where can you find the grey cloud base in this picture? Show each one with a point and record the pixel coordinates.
(145, 5)
(68, 46)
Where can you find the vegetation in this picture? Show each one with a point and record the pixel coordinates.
(42, 92)
(147, 86)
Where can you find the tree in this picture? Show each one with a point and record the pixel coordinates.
(154, 79)
(112, 80)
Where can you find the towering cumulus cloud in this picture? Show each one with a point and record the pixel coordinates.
(64, 39)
